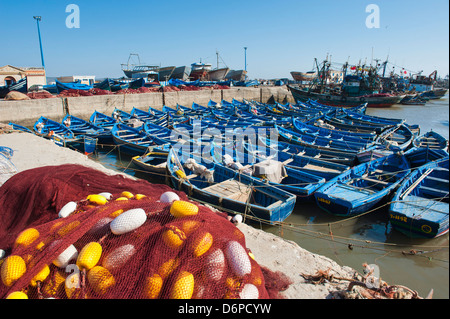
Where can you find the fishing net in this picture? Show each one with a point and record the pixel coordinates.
(131, 245)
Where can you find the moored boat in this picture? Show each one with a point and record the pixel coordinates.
(373, 100)
(224, 188)
(432, 140)
(420, 207)
(363, 187)
(53, 130)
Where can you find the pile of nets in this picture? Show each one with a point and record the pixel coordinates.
(40, 95)
(74, 232)
(74, 93)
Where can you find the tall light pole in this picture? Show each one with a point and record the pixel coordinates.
(245, 65)
(39, 18)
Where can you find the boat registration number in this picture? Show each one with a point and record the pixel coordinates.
(400, 218)
(323, 200)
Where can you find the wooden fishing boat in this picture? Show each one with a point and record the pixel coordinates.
(133, 141)
(432, 140)
(81, 127)
(53, 130)
(304, 163)
(373, 100)
(363, 187)
(291, 179)
(321, 142)
(334, 156)
(420, 206)
(19, 127)
(153, 161)
(226, 189)
(332, 133)
(102, 120)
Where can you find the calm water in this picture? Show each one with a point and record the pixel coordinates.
(372, 239)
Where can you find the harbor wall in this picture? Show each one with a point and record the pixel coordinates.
(26, 112)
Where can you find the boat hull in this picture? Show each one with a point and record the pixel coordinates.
(343, 101)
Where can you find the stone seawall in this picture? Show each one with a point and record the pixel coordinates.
(28, 111)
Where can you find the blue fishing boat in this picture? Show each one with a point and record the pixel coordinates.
(154, 161)
(363, 187)
(19, 86)
(308, 164)
(53, 130)
(420, 207)
(332, 133)
(432, 140)
(334, 156)
(133, 141)
(322, 142)
(226, 189)
(291, 179)
(60, 86)
(19, 127)
(102, 120)
(81, 127)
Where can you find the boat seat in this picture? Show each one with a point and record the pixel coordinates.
(437, 179)
(434, 191)
(129, 135)
(375, 180)
(230, 189)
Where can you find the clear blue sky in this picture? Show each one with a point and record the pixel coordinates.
(281, 35)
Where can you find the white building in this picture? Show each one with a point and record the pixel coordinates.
(84, 79)
(11, 74)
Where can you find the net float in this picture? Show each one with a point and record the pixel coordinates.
(26, 237)
(128, 221)
(116, 213)
(127, 194)
(107, 195)
(67, 209)
(183, 287)
(100, 279)
(152, 286)
(101, 227)
(121, 198)
(41, 276)
(215, 265)
(97, 199)
(72, 283)
(168, 267)
(65, 257)
(17, 295)
(89, 255)
(13, 267)
(249, 291)
(189, 226)
(237, 219)
(118, 257)
(238, 259)
(173, 237)
(139, 196)
(202, 243)
(168, 197)
(181, 208)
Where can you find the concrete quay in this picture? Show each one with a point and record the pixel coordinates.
(26, 112)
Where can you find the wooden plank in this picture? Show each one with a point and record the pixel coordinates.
(374, 180)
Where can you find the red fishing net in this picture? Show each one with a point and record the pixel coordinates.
(129, 246)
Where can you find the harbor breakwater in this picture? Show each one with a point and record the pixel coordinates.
(26, 112)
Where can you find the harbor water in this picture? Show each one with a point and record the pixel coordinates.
(419, 264)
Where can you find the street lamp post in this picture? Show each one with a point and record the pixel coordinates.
(39, 18)
(245, 62)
